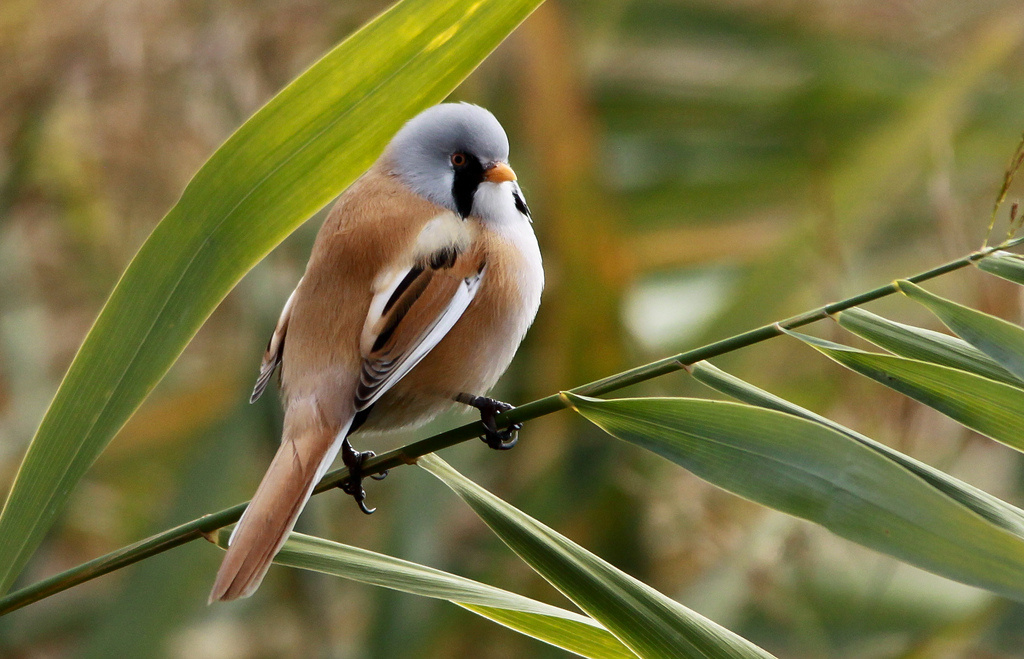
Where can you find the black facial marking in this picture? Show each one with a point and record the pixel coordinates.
(521, 204)
(468, 176)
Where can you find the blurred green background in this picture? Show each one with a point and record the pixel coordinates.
(695, 168)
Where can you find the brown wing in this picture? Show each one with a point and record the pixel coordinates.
(275, 348)
(408, 318)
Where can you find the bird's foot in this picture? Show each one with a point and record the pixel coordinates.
(500, 440)
(353, 485)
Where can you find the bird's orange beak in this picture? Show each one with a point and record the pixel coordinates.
(499, 172)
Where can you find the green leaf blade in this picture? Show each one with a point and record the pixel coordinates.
(1005, 265)
(569, 635)
(1001, 340)
(565, 629)
(282, 165)
(810, 471)
(992, 508)
(646, 621)
(991, 408)
(924, 345)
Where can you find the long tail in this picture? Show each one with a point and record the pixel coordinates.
(306, 453)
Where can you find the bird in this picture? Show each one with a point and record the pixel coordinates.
(421, 284)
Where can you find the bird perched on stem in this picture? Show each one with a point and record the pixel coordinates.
(422, 283)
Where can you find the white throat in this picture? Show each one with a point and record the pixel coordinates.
(494, 204)
(496, 208)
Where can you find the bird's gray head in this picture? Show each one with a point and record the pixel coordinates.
(446, 152)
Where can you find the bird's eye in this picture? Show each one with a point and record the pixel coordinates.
(458, 159)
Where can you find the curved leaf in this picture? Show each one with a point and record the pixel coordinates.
(649, 623)
(922, 344)
(1004, 264)
(1001, 340)
(986, 406)
(991, 508)
(808, 470)
(283, 164)
(565, 629)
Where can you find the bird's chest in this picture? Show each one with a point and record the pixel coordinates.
(518, 276)
(487, 336)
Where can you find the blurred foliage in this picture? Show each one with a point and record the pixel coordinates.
(695, 168)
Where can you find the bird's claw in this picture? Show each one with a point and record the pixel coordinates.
(377, 477)
(502, 440)
(353, 485)
(354, 488)
(499, 440)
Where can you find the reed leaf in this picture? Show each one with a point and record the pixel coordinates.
(565, 629)
(991, 408)
(1004, 264)
(923, 344)
(1001, 340)
(992, 508)
(806, 469)
(649, 623)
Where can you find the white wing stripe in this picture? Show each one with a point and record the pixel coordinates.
(437, 331)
